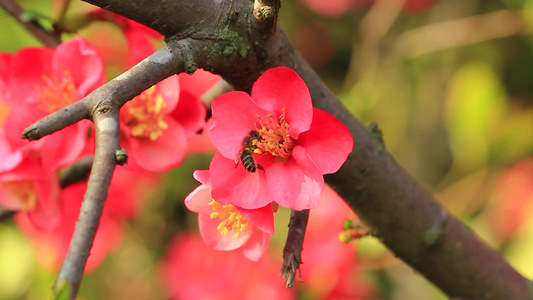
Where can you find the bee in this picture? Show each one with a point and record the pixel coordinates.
(247, 151)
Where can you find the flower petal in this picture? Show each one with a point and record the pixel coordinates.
(27, 68)
(328, 142)
(295, 185)
(234, 114)
(190, 113)
(169, 88)
(217, 241)
(202, 176)
(62, 148)
(232, 184)
(9, 157)
(262, 218)
(164, 153)
(279, 88)
(256, 246)
(82, 61)
(198, 200)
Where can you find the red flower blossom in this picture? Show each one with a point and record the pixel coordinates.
(154, 141)
(190, 270)
(124, 198)
(157, 124)
(32, 190)
(43, 80)
(330, 269)
(295, 145)
(228, 227)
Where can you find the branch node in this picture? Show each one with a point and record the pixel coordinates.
(266, 15)
(121, 156)
(377, 136)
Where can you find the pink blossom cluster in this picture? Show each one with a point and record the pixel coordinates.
(273, 148)
(155, 129)
(291, 145)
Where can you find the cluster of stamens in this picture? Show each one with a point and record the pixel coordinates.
(56, 93)
(231, 218)
(275, 137)
(23, 191)
(145, 115)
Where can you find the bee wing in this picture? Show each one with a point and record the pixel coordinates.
(238, 157)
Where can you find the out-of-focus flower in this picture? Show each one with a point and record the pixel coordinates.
(337, 8)
(124, 198)
(330, 267)
(513, 197)
(32, 190)
(154, 140)
(191, 270)
(229, 227)
(157, 124)
(295, 144)
(36, 82)
(43, 80)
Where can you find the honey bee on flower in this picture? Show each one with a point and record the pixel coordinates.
(246, 155)
(296, 144)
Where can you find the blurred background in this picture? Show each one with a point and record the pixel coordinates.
(450, 84)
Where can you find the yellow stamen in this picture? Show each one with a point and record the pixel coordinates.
(231, 218)
(275, 137)
(23, 191)
(56, 93)
(145, 115)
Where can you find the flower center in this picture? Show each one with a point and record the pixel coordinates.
(56, 93)
(231, 218)
(144, 114)
(275, 137)
(23, 191)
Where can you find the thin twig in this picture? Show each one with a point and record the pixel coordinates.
(366, 47)
(107, 131)
(47, 38)
(292, 253)
(76, 172)
(160, 65)
(458, 33)
(218, 89)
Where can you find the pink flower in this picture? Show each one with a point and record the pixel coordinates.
(32, 190)
(229, 227)
(330, 269)
(295, 144)
(157, 124)
(124, 199)
(154, 141)
(53, 243)
(190, 270)
(43, 80)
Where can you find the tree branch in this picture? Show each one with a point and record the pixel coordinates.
(106, 123)
(401, 213)
(292, 252)
(163, 63)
